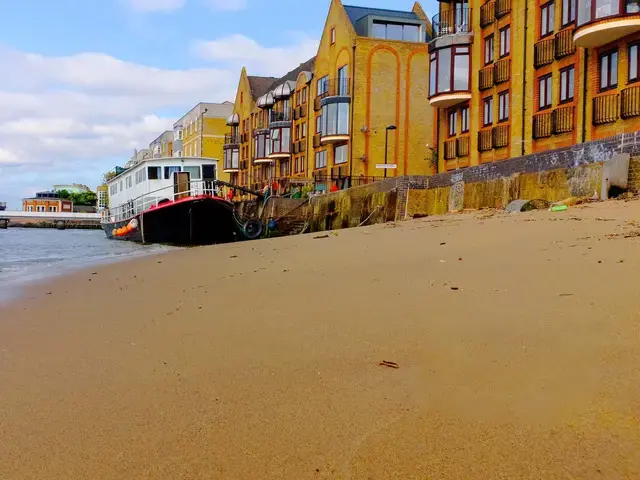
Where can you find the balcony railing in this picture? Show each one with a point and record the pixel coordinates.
(339, 87)
(317, 140)
(605, 109)
(503, 7)
(485, 140)
(544, 52)
(630, 102)
(450, 22)
(485, 78)
(299, 146)
(285, 115)
(502, 71)
(231, 139)
(543, 125)
(500, 136)
(487, 14)
(316, 102)
(462, 146)
(450, 149)
(563, 120)
(260, 122)
(564, 43)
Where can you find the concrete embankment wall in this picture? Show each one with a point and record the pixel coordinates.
(555, 175)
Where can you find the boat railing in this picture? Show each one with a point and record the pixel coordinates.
(161, 196)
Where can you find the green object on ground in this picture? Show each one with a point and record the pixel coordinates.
(558, 208)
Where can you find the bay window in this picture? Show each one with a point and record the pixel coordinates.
(449, 70)
(335, 119)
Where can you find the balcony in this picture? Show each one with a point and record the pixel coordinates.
(605, 109)
(485, 139)
(630, 102)
(280, 118)
(455, 21)
(485, 78)
(544, 52)
(502, 71)
(503, 7)
(231, 140)
(543, 125)
(500, 136)
(462, 146)
(450, 149)
(564, 43)
(603, 21)
(563, 120)
(280, 138)
(487, 14)
(316, 141)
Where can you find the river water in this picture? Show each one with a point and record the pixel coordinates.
(33, 254)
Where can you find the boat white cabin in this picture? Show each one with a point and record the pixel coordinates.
(154, 180)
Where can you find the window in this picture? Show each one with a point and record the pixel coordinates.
(296, 135)
(608, 70)
(453, 118)
(179, 134)
(284, 168)
(318, 123)
(333, 35)
(53, 209)
(335, 119)
(120, 185)
(194, 172)
(300, 164)
(567, 78)
(40, 208)
(503, 106)
(323, 85)
(321, 159)
(343, 80)
(304, 130)
(169, 171)
(304, 95)
(30, 208)
(546, 19)
(464, 119)
(281, 140)
(340, 154)
(634, 62)
(449, 74)
(505, 41)
(396, 31)
(545, 89)
(487, 112)
(568, 12)
(129, 181)
(153, 173)
(488, 50)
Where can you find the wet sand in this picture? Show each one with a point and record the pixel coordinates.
(517, 340)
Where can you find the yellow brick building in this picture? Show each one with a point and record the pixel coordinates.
(361, 101)
(201, 133)
(513, 77)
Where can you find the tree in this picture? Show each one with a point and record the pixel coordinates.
(108, 176)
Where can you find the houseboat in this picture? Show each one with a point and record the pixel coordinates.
(3, 206)
(173, 200)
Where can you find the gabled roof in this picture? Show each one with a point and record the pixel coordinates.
(259, 85)
(356, 13)
(307, 66)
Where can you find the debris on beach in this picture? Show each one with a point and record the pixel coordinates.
(321, 236)
(386, 363)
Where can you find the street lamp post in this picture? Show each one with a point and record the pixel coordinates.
(386, 145)
(202, 130)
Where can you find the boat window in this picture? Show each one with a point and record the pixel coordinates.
(154, 173)
(194, 172)
(169, 171)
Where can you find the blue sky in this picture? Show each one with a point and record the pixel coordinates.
(86, 82)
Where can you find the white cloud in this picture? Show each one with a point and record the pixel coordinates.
(156, 5)
(70, 118)
(243, 51)
(226, 5)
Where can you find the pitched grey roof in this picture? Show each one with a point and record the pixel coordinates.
(259, 85)
(307, 66)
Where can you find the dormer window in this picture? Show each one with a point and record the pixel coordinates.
(396, 31)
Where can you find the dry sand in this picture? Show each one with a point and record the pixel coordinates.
(260, 360)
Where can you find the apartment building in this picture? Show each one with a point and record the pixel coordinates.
(513, 77)
(360, 105)
(163, 145)
(201, 132)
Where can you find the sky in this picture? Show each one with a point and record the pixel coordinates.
(84, 83)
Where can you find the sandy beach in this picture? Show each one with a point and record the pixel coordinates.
(516, 338)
